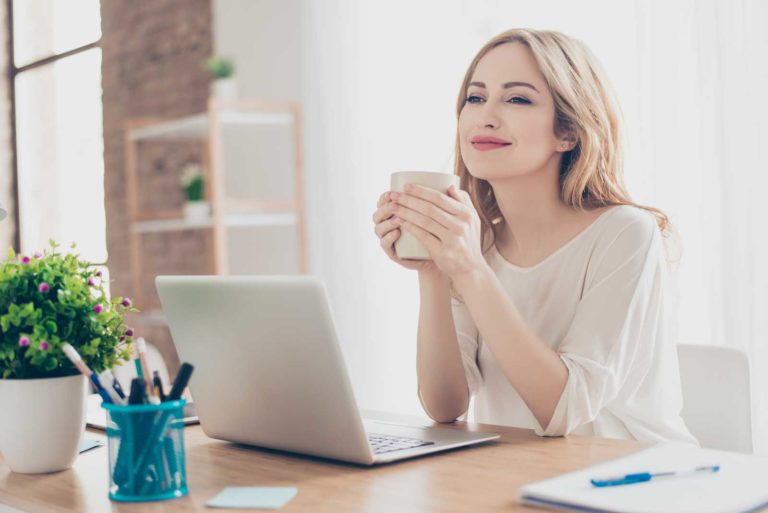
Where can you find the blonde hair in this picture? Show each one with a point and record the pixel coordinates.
(592, 173)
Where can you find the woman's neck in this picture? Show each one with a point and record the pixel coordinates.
(534, 213)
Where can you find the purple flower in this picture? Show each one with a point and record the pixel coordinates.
(98, 274)
(23, 341)
(43, 345)
(129, 332)
(38, 255)
(25, 260)
(98, 308)
(91, 282)
(43, 287)
(127, 302)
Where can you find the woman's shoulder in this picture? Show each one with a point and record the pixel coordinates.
(629, 222)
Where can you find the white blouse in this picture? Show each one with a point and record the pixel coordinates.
(598, 302)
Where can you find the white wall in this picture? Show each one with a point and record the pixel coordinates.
(378, 81)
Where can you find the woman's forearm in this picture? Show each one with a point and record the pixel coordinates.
(442, 383)
(530, 365)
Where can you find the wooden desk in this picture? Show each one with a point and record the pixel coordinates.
(478, 479)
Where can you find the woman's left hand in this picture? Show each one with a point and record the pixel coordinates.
(447, 225)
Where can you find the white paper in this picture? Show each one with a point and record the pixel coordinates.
(741, 484)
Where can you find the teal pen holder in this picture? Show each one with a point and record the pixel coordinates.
(146, 451)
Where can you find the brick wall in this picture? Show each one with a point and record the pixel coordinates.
(151, 67)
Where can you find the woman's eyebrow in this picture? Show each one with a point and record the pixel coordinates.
(507, 85)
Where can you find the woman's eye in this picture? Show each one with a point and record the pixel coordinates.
(472, 98)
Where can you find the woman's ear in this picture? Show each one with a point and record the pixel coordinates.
(568, 142)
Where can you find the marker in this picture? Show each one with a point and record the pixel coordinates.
(647, 476)
(78, 362)
(182, 378)
(141, 348)
(138, 388)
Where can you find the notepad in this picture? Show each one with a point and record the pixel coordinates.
(256, 497)
(739, 486)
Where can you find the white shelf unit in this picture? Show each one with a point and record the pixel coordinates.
(227, 213)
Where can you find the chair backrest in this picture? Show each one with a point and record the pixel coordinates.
(717, 402)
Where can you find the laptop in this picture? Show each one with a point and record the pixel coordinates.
(269, 371)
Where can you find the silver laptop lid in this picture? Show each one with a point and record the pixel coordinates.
(268, 367)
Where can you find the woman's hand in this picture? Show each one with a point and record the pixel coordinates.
(447, 225)
(388, 230)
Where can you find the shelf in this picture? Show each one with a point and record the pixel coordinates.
(239, 219)
(194, 128)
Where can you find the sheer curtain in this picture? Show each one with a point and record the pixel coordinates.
(381, 80)
(698, 126)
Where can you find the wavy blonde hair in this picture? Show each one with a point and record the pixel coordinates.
(592, 173)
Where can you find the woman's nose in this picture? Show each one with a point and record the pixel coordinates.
(488, 118)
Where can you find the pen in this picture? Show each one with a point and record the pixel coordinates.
(158, 385)
(110, 378)
(647, 476)
(78, 362)
(106, 379)
(182, 378)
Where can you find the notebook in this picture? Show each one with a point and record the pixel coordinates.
(739, 487)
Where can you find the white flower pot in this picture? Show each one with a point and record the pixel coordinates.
(41, 422)
(197, 210)
(224, 89)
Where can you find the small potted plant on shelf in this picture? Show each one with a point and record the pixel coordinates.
(193, 182)
(46, 301)
(222, 71)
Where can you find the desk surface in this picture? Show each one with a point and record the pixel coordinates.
(483, 478)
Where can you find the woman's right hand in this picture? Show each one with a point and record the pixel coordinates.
(388, 230)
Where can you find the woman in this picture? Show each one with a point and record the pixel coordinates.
(544, 296)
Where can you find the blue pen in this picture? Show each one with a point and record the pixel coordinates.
(642, 477)
(78, 362)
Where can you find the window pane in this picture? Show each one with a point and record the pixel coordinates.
(60, 155)
(42, 28)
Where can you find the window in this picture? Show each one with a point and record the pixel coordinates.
(56, 73)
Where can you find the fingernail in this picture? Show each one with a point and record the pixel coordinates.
(394, 195)
(392, 206)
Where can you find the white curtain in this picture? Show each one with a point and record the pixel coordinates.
(381, 80)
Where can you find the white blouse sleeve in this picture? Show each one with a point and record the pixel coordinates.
(468, 337)
(609, 344)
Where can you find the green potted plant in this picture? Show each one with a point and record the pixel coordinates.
(47, 300)
(193, 183)
(222, 71)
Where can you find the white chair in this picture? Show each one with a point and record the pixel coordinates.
(717, 402)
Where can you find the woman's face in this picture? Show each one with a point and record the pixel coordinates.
(508, 102)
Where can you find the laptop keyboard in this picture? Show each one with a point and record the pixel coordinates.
(388, 443)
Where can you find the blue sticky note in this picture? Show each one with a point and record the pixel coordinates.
(87, 444)
(257, 497)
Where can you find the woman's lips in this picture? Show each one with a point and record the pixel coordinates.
(487, 146)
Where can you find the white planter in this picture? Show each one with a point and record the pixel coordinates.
(224, 89)
(197, 210)
(41, 422)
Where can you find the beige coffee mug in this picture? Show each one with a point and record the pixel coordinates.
(407, 246)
